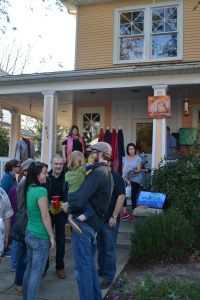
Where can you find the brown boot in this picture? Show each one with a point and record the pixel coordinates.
(61, 274)
(18, 288)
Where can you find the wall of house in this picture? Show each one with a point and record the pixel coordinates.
(95, 33)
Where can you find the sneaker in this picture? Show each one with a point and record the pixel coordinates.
(74, 225)
(124, 215)
(105, 284)
(131, 218)
(61, 274)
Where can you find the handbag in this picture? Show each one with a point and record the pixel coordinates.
(16, 234)
(128, 191)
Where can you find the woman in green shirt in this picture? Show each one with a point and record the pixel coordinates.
(39, 234)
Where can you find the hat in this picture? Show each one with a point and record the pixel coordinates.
(102, 147)
(26, 164)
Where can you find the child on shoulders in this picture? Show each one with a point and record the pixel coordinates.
(75, 177)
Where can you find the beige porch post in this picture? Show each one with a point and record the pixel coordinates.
(159, 131)
(49, 126)
(15, 132)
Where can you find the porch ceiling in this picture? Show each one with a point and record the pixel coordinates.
(20, 102)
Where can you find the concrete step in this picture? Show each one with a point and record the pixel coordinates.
(126, 228)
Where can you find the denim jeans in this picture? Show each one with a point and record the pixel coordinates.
(21, 265)
(83, 250)
(37, 254)
(15, 250)
(106, 246)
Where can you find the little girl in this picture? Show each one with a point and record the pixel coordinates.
(78, 170)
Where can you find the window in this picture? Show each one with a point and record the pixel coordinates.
(90, 120)
(148, 33)
(91, 126)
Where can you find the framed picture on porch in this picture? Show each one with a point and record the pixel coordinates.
(159, 107)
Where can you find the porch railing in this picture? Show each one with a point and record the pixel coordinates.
(3, 161)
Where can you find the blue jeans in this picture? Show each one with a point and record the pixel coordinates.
(37, 254)
(15, 250)
(106, 245)
(21, 265)
(83, 250)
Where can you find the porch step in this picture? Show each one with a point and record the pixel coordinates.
(126, 228)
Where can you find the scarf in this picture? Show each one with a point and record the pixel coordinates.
(70, 141)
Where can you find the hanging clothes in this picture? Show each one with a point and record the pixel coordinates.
(115, 154)
(108, 136)
(113, 143)
(101, 136)
(121, 150)
(24, 149)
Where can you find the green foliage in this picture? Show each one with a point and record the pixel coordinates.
(167, 235)
(149, 289)
(4, 141)
(180, 180)
(167, 289)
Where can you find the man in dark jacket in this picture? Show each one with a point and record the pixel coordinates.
(96, 189)
(55, 182)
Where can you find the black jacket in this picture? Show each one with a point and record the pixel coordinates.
(97, 190)
(55, 185)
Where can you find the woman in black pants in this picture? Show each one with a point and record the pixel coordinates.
(132, 175)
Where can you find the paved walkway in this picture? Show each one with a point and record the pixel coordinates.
(51, 287)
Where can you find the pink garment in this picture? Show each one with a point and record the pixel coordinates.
(70, 140)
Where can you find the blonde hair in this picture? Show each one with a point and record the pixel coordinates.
(75, 160)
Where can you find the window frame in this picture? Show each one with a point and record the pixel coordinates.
(147, 8)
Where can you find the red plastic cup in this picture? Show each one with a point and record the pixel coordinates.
(56, 202)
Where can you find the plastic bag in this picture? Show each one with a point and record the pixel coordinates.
(128, 191)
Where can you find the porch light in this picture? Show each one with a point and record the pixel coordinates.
(186, 104)
(30, 103)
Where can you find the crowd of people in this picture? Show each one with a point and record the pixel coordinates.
(35, 206)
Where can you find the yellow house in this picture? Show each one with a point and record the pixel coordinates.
(126, 50)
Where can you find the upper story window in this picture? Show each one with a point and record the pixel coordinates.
(148, 33)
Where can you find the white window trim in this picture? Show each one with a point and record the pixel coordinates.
(147, 32)
(84, 110)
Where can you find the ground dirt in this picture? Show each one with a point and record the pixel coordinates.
(136, 272)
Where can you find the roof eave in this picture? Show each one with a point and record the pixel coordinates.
(150, 70)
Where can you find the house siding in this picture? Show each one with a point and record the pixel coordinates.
(95, 33)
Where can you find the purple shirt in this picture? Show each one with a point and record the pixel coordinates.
(13, 200)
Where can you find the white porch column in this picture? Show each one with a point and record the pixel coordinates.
(15, 132)
(159, 131)
(49, 129)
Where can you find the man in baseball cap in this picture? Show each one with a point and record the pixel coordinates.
(96, 190)
(102, 147)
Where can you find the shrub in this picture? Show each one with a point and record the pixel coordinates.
(180, 180)
(159, 236)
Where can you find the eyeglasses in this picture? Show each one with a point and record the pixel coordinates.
(17, 166)
(38, 163)
(94, 151)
